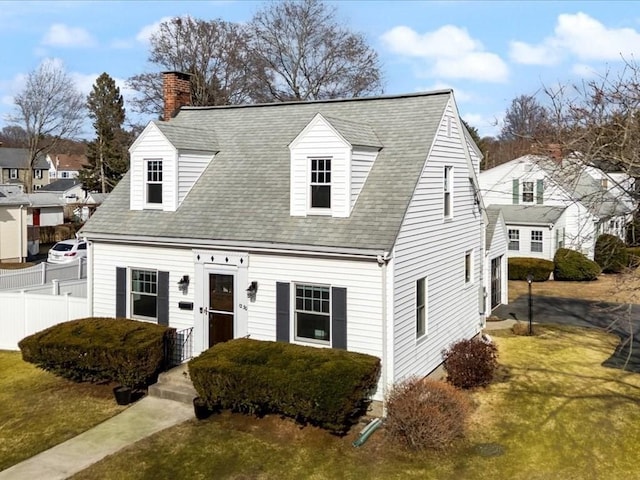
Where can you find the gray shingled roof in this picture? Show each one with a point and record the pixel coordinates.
(243, 195)
(355, 133)
(19, 158)
(61, 185)
(189, 138)
(530, 214)
(493, 214)
(12, 195)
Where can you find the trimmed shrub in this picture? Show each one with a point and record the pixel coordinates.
(520, 267)
(470, 363)
(320, 386)
(99, 350)
(611, 254)
(424, 413)
(574, 266)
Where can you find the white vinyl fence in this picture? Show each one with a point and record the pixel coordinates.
(42, 274)
(24, 313)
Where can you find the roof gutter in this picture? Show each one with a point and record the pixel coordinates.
(257, 247)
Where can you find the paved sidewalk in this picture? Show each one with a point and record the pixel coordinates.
(142, 419)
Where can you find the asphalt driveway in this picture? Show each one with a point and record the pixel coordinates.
(621, 320)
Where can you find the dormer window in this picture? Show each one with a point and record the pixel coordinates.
(320, 183)
(527, 192)
(154, 182)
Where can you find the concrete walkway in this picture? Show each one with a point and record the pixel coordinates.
(142, 419)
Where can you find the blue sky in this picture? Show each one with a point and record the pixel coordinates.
(488, 52)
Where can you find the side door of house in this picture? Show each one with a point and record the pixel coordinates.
(496, 282)
(220, 294)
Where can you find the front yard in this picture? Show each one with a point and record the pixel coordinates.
(39, 410)
(554, 412)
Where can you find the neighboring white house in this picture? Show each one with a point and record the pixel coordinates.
(550, 204)
(65, 165)
(352, 224)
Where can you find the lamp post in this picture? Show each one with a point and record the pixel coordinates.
(530, 281)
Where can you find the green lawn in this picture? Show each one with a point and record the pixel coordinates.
(554, 411)
(39, 410)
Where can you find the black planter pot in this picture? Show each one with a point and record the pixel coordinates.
(123, 395)
(201, 409)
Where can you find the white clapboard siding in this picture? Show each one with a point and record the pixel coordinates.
(362, 160)
(24, 313)
(499, 243)
(12, 232)
(319, 139)
(429, 246)
(176, 261)
(190, 167)
(152, 145)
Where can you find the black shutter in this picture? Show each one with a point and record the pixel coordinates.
(163, 298)
(339, 318)
(283, 292)
(121, 292)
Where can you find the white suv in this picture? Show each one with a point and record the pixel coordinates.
(67, 251)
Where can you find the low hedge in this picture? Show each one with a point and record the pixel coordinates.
(574, 266)
(321, 386)
(520, 267)
(611, 254)
(100, 349)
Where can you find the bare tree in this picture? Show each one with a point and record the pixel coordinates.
(304, 53)
(14, 136)
(49, 109)
(214, 52)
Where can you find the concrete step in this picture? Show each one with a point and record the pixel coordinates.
(174, 384)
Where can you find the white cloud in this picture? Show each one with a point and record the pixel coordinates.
(581, 36)
(487, 126)
(584, 71)
(144, 35)
(60, 35)
(450, 52)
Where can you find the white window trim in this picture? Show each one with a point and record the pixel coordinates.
(130, 293)
(319, 210)
(37, 173)
(13, 174)
(533, 191)
(147, 204)
(425, 307)
(509, 240)
(294, 310)
(447, 188)
(540, 242)
(468, 279)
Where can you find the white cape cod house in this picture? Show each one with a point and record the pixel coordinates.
(352, 224)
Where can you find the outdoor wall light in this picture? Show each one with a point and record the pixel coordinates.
(183, 283)
(252, 289)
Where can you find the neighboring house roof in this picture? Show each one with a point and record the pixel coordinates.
(12, 195)
(243, 196)
(19, 158)
(45, 199)
(529, 214)
(493, 215)
(68, 161)
(61, 185)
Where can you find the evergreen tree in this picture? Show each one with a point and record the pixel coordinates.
(107, 153)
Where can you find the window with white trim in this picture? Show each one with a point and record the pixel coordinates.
(144, 294)
(536, 240)
(154, 182)
(421, 307)
(64, 174)
(514, 240)
(13, 173)
(320, 183)
(468, 266)
(313, 313)
(447, 190)
(37, 173)
(527, 192)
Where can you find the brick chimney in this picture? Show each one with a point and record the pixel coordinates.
(176, 92)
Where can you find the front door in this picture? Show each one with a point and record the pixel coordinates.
(221, 303)
(496, 282)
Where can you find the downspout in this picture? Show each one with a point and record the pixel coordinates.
(21, 235)
(382, 262)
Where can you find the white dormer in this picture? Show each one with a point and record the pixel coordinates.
(166, 162)
(330, 161)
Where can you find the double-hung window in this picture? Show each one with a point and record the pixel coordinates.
(514, 240)
(527, 192)
(144, 294)
(320, 183)
(447, 191)
(313, 313)
(536, 240)
(37, 173)
(13, 173)
(421, 307)
(154, 182)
